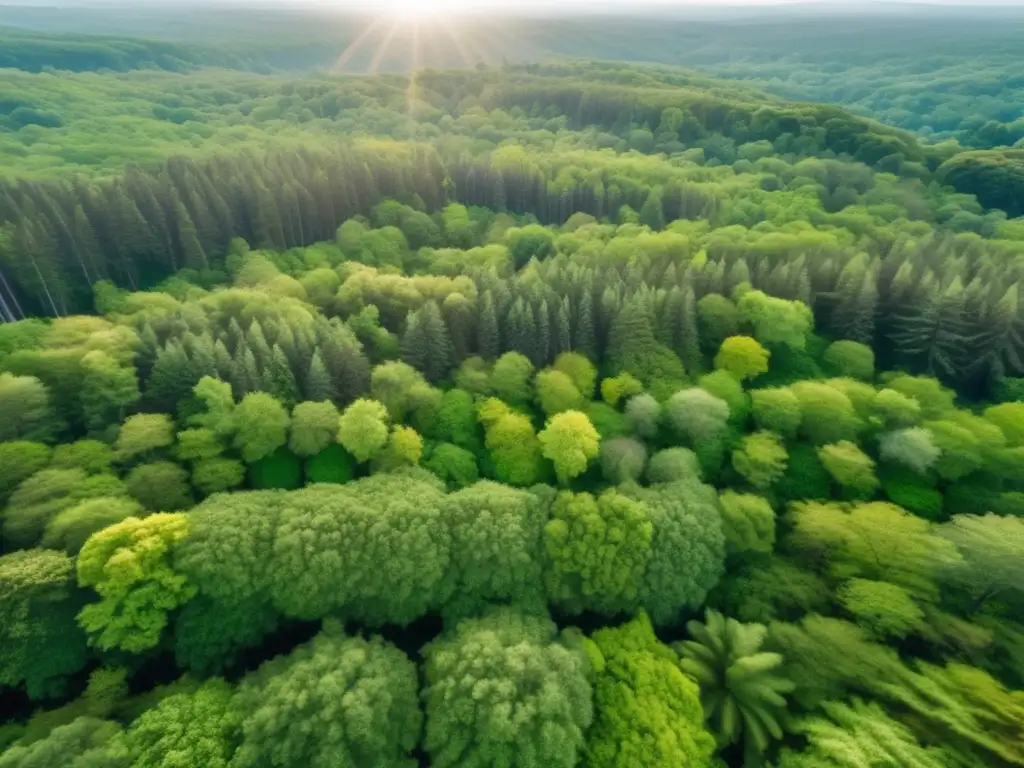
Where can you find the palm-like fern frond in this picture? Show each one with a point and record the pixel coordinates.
(741, 690)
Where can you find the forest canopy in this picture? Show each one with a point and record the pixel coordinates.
(566, 414)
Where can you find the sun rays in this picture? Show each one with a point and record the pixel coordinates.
(400, 42)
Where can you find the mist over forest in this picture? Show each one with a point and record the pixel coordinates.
(598, 386)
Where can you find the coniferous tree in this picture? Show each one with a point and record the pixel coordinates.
(488, 340)
(278, 379)
(319, 386)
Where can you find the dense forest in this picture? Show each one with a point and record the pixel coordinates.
(526, 414)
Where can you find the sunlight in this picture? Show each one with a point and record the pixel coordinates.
(414, 10)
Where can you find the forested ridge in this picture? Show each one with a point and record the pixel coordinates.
(569, 414)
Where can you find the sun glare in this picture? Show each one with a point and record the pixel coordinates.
(414, 10)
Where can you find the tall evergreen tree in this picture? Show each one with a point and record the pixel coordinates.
(488, 339)
(319, 386)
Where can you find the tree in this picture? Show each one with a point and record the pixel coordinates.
(402, 390)
(128, 565)
(218, 406)
(858, 734)
(742, 690)
(597, 550)
(913, 448)
(673, 464)
(198, 728)
(633, 349)
(514, 447)
(495, 549)
(314, 426)
(687, 546)
(456, 422)
(827, 415)
(70, 529)
(990, 548)
(570, 441)
(454, 466)
(623, 459)
(1009, 417)
(511, 378)
(647, 711)
(26, 412)
(644, 415)
(895, 409)
(216, 475)
(160, 487)
(761, 459)
(426, 344)
(697, 415)
(107, 389)
(318, 384)
(851, 359)
(776, 321)
(874, 541)
(18, 462)
(198, 444)
(578, 368)
(363, 429)
(530, 242)
(506, 689)
(777, 410)
(851, 468)
(86, 742)
(748, 522)
(556, 392)
(742, 357)
(403, 449)
(45, 495)
(718, 320)
(262, 426)
(143, 435)
(366, 690)
(617, 388)
(41, 644)
(887, 610)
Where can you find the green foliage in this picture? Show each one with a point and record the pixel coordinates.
(763, 590)
(514, 448)
(19, 461)
(687, 546)
(617, 388)
(851, 359)
(46, 494)
(42, 645)
(623, 459)
(742, 357)
(647, 711)
(365, 689)
(160, 487)
(742, 688)
(281, 470)
(262, 426)
(913, 448)
(697, 415)
(748, 522)
(827, 415)
(363, 429)
(506, 689)
(777, 410)
(495, 548)
(454, 466)
(314, 426)
(582, 372)
(856, 735)
(26, 412)
(128, 565)
(86, 742)
(70, 529)
(570, 441)
(199, 728)
(597, 551)
(143, 435)
(761, 459)
(331, 465)
(557, 393)
(511, 378)
(776, 321)
(673, 464)
(887, 610)
(849, 466)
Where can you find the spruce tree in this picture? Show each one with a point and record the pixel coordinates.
(585, 335)
(488, 339)
(543, 334)
(278, 379)
(319, 386)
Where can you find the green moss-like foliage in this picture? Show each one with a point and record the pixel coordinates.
(281, 470)
(506, 689)
(332, 465)
(335, 700)
(805, 477)
(647, 710)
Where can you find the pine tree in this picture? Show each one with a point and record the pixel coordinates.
(652, 214)
(278, 379)
(930, 334)
(561, 339)
(998, 350)
(257, 343)
(343, 358)
(488, 339)
(585, 333)
(543, 334)
(223, 360)
(319, 386)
